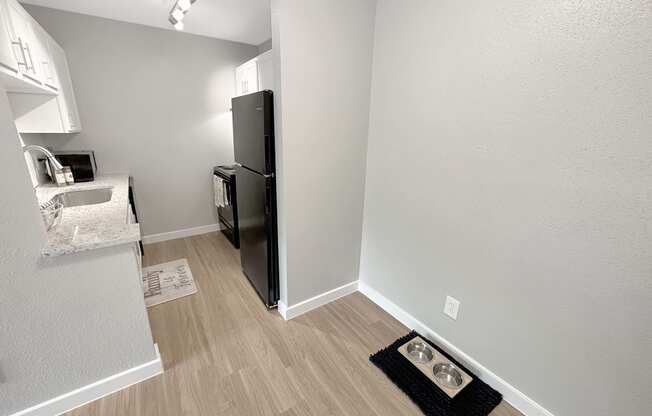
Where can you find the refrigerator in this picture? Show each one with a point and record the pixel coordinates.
(253, 143)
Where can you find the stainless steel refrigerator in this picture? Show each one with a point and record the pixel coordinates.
(253, 142)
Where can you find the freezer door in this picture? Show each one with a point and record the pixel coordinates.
(257, 233)
(253, 132)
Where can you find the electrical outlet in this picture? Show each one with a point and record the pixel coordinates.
(451, 307)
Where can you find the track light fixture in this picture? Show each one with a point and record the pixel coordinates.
(178, 11)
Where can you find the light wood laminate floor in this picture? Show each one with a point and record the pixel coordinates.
(225, 354)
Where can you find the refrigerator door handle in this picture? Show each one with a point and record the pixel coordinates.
(268, 153)
(268, 200)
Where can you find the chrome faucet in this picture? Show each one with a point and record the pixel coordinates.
(53, 160)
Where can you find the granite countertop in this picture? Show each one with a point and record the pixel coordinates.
(88, 227)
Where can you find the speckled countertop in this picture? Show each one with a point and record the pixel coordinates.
(89, 227)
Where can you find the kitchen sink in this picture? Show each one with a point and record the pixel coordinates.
(89, 197)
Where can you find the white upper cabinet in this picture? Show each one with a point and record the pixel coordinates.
(246, 78)
(46, 61)
(23, 34)
(255, 75)
(10, 51)
(34, 72)
(66, 97)
(265, 71)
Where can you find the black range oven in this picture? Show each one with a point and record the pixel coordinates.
(228, 214)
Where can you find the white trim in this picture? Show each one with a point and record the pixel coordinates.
(282, 308)
(187, 232)
(510, 393)
(96, 390)
(289, 312)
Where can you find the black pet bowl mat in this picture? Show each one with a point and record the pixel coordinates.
(476, 399)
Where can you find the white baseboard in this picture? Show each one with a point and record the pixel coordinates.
(289, 312)
(510, 393)
(282, 309)
(173, 235)
(97, 390)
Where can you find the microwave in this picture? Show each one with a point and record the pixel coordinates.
(81, 163)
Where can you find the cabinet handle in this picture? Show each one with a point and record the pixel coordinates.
(19, 43)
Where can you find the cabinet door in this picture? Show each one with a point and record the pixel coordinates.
(246, 78)
(44, 58)
(22, 33)
(66, 97)
(239, 81)
(10, 53)
(251, 77)
(265, 71)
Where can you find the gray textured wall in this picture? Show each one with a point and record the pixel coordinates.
(153, 103)
(509, 166)
(324, 57)
(65, 322)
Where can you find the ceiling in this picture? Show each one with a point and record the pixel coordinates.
(246, 21)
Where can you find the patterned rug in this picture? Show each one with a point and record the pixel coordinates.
(167, 281)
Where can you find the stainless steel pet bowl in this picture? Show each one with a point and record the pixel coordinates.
(420, 351)
(448, 375)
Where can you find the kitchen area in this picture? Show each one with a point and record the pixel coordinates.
(117, 170)
(86, 205)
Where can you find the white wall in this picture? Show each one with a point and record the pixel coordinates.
(276, 15)
(324, 56)
(153, 103)
(509, 166)
(265, 46)
(65, 322)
